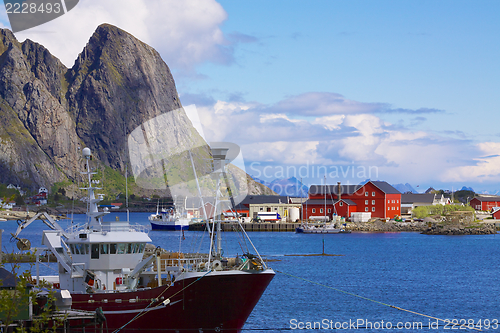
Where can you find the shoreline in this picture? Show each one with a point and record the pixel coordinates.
(378, 226)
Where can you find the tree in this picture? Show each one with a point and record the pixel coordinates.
(19, 199)
(18, 294)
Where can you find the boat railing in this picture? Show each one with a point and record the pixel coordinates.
(186, 261)
(107, 228)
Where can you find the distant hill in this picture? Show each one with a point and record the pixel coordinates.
(404, 188)
(465, 188)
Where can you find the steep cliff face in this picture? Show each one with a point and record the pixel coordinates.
(116, 84)
(48, 112)
(38, 135)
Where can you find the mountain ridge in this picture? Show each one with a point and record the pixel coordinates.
(49, 112)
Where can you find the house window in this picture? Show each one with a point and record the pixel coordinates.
(373, 202)
(397, 201)
(314, 210)
(366, 202)
(366, 209)
(341, 204)
(366, 194)
(392, 201)
(275, 208)
(329, 210)
(373, 194)
(388, 201)
(261, 209)
(373, 209)
(321, 210)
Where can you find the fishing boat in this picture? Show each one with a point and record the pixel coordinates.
(168, 219)
(105, 267)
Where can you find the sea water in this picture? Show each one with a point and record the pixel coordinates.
(445, 277)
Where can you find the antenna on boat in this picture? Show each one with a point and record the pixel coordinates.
(126, 192)
(78, 185)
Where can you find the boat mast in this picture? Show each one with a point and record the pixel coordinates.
(301, 199)
(126, 192)
(325, 196)
(220, 160)
(93, 212)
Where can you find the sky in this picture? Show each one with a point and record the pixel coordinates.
(401, 91)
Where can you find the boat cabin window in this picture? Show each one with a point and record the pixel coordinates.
(94, 253)
(104, 248)
(96, 249)
(79, 248)
(121, 248)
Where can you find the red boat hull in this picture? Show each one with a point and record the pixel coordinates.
(216, 302)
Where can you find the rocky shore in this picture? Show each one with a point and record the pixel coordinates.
(423, 227)
(391, 226)
(481, 229)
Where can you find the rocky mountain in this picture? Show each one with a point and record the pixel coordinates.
(287, 187)
(404, 188)
(465, 188)
(49, 112)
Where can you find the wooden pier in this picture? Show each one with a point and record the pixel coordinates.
(233, 226)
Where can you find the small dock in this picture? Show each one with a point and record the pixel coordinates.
(233, 226)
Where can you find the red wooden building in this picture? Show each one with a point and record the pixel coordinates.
(377, 197)
(496, 213)
(485, 203)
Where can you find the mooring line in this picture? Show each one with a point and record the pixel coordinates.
(375, 301)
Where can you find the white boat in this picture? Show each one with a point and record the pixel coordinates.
(104, 266)
(168, 219)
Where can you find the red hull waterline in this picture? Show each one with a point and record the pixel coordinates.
(217, 302)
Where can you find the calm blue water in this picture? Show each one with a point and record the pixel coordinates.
(453, 277)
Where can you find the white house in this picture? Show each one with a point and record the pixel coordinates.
(7, 204)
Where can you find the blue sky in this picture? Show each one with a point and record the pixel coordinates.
(408, 89)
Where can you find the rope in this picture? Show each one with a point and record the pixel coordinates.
(140, 314)
(375, 301)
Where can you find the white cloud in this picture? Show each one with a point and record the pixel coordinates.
(330, 122)
(397, 153)
(285, 153)
(270, 117)
(484, 169)
(185, 33)
(323, 103)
